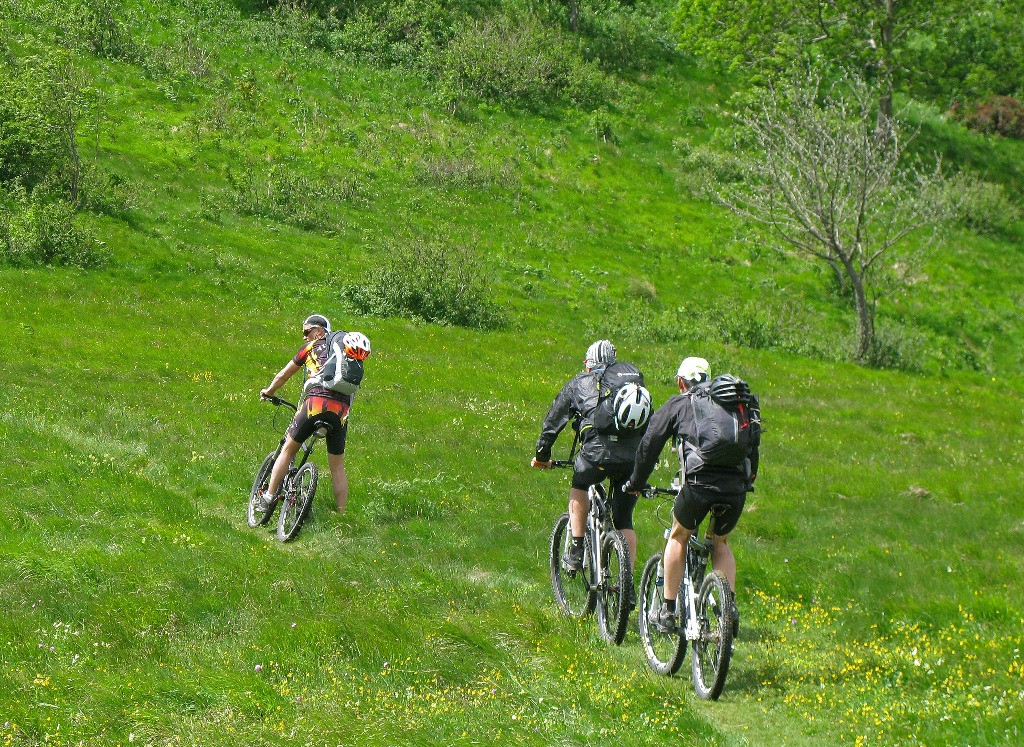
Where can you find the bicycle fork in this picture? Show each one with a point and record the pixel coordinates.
(593, 526)
(692, 630)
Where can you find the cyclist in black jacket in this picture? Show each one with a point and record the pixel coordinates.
(701, 488)
(600, 456)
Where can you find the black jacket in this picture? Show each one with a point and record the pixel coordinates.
(676, 419)
(579, 398)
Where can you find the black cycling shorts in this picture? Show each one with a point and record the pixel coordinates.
(317, 411)
(694, 503)
(586, 474)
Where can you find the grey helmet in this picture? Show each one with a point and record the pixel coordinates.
(601, 353)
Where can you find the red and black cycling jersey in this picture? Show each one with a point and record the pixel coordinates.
(313, 355)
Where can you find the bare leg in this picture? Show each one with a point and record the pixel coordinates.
(579, 505)
(675, 557)
(723, 560)
(284, 460)
(339, 480)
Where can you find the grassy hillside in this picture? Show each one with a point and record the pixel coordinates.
(251, 169)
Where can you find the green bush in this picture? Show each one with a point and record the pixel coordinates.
(982, 206)
(519, 63)
(407, 32)
(292, 196)
(435, 282)
(99, 28)
(37, 232)
(627, 39)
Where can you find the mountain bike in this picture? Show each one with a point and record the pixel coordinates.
(705, 609)
(606, 578)
(297, 490)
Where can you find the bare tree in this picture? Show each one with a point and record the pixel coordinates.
(827, 183)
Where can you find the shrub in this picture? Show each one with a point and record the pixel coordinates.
(101, 31)
(629, 39)
(291, 197)
(34, 231)
(435, 282)
(407, 32)
(897, 346)
(981, 206)
(997, 114)
(518, 63)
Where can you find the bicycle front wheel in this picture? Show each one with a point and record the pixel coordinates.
(712, 650)
(258, 517)
(614, 588)
(665, 649)
(572, 589)
(297, 502)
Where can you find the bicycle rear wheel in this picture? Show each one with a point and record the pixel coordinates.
(256, 516)
(297, 503)
(665, 649)
(613, 588)
(572, 589)
(712, 650)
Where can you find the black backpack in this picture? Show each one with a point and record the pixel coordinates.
(612, 379)
(728, 424)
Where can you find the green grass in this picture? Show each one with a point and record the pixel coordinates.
(878, 557)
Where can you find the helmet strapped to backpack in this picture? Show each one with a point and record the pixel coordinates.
(729, 391)
(357, 346)
(632, 406)
(611, 380)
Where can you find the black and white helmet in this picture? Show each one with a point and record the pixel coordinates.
(632, 407)
(600, 353)
(317, 320)
(729, 391)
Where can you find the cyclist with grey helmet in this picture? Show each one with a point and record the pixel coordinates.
(600, 456)
(700, 489)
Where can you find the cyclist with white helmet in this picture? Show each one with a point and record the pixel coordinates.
(700, 489)
(322, 406)
(600, 456)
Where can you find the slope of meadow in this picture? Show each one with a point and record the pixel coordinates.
(253, 173)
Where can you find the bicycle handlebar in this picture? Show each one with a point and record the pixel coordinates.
(652, 491)
(277, 402)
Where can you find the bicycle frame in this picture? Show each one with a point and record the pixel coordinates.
(598, 522)
(307, 447)
(698, 553)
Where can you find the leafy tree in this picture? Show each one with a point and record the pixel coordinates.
(826, 184)
(899, 43)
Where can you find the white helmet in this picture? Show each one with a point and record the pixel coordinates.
(632, 407)
(357, 345)
(693, 370)
(600, 353)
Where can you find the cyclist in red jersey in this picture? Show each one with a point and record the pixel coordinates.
(321, 406)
